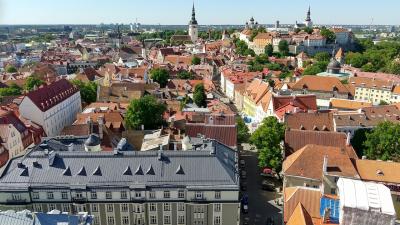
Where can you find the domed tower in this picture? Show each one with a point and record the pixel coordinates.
(193, 27)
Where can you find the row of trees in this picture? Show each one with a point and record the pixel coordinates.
(320, 64)
(13, 90)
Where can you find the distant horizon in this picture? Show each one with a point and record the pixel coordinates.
(208, 12)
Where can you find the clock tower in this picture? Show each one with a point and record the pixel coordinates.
(193, 27)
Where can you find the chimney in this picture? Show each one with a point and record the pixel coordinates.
(348, 139)
(100, 121)
(90, 123)
(325, 165)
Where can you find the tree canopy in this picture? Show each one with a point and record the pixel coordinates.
(32, 82)
(283, 47)
(243, 135)
(383, 142)
(145, 111)
(185, 75)
(12, 90)
(160, 76)
(243, 49)
(322, 56)
(11, 69)
(88, 90)
(196, 60)
(267, 138)
(199, 96)
(328, 34)
(269, 50)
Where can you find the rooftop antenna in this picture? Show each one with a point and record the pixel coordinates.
(372, 22)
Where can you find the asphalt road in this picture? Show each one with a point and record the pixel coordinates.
(261, 204)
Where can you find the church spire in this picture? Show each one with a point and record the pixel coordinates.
(308, 14)
(193, 21)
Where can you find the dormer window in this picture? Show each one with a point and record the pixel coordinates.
(379, 173)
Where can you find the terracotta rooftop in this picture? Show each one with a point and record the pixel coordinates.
(337, 103)
(308, 197)
(315, 121)
(308, 162)
(300, 216)
(379, 171)
(318, 83)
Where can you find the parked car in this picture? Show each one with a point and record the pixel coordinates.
(267, 185)
(246, 221)
(243, 186)
(245, 209)
(270, 221)
(243, 174)
(267, 172)
(242, 163)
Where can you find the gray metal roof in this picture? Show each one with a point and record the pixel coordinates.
(63, 167)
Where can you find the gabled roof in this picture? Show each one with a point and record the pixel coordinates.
(319, 83)
(316, 121)
(308, 197)
(379, 171)
(297, 139)
(304, 102)
(300, 216)
(308, 162)
(48, 96)
(256, 90)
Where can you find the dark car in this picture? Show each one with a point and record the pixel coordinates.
(242, 163)
(267, 185)
(243, 186)
(243, 174)
(269, 221)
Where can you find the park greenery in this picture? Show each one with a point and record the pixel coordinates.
(267, 138)
(381, 57)
(146, 111)
(260, 62)
(12, 90)
(269, 50)
(283, 47)
(321, 61)
(199, 96)
(329, 35)
(88, 90)
(160, 76)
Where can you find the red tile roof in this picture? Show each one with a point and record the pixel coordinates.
(50, 95)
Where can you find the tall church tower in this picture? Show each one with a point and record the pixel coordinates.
(308, 22)
(193, 27)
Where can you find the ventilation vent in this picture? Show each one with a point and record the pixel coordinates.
(24, 172)
(36, 164)
(139, 170)
(67, 172)
(180, 170)
(97, 171)
(128, 171)
(82, 172)
(150, 171)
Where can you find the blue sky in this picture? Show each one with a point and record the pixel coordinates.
(208, 11)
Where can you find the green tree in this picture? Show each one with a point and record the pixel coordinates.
(88, 90)
(328, 34)
(12, 90)
(160, 76)
(383, 142)
(358, 141)
(146, 111)
(322, 57)
(196, 60)
(267, 138)
(308, 30)
(283, 47)
(393, 67)
(32, 82)
(369, 67)
(199, 96)
(314, 69)
(383, 103)
(356, 59)
(11, 69)
(269, 50)
(243, 135)
(184, 75)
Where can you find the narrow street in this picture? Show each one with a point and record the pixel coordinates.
(260, 201)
